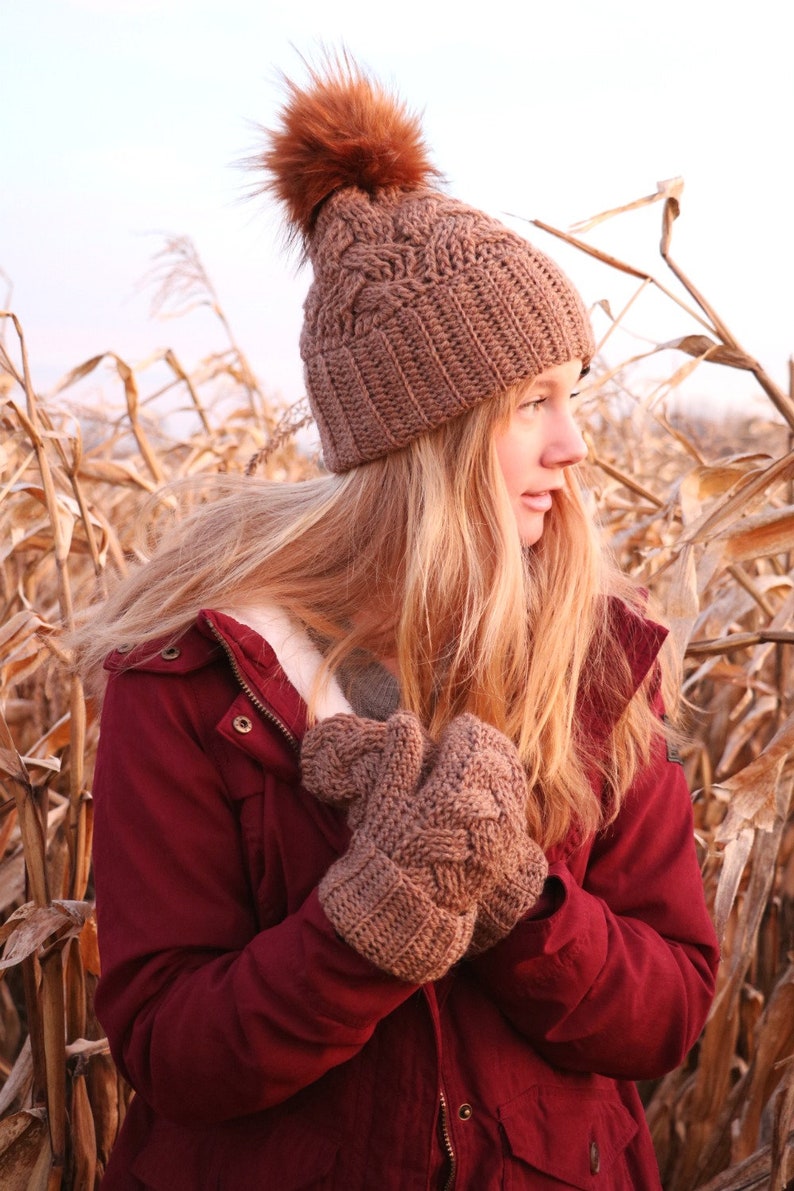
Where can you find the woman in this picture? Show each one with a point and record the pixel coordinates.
(395, 878)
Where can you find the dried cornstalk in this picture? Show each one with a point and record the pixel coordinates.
(708, 530)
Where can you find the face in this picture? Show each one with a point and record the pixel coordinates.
(539, 442)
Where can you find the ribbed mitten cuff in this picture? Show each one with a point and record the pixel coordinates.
(510, 901)
(378, 910)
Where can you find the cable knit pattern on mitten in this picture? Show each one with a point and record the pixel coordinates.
(434, 830)
(341, 757)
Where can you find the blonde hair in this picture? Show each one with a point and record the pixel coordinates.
(426, 537)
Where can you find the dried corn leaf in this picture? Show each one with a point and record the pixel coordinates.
(35, 528)
(83, 1137)
(708, 349)
(709, 482)
(774, 1042)
(10, 760)
(757, 802)
(670, 187)
(748, 729)
(682, 604)
(754, 1174)
(21, 627)
(742, 501)
(108, 1095)
(782, 1157)
(20, 670)
(753, 794)
(15, 1091)
(49, 764)
(119, 471)
(25, 1157)
(12, 880)
(85, 1048)
(89, 946)
(57, 737)
(31, 926)
(78, 373)
(760, 536)
(708, 566)
(734, 860)
(66, 509)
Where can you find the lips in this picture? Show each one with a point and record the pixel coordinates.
(539, 502)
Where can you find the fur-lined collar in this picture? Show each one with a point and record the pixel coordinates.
(298, 657)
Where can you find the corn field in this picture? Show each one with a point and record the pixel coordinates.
(701, 512)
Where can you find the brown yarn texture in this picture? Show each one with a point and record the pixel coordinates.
(440, 862)
(420, 306)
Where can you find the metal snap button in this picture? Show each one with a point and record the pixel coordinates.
(123, 648)
(242, 724)
(465, 1111)
(595, 1158)
(170, 652)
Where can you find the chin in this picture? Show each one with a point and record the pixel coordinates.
(530, 535)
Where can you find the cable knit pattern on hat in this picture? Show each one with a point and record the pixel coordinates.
(420, 306)
(436, 829)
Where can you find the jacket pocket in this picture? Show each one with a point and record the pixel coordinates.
(575, 1135)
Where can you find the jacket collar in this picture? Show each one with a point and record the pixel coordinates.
(300, 660)
(600, 704)
(640, 637)
(272, 654)
(274, 661)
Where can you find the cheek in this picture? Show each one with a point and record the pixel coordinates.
(511, 457)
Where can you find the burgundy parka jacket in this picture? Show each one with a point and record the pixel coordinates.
(267, 1054)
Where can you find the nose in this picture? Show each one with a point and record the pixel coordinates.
(565, 445)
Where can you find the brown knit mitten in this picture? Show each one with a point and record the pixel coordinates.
(434, 829)
(519, 886)
(341, 758)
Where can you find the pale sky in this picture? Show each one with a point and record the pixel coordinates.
(124, 118)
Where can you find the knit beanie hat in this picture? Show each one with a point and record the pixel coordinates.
(420, 306)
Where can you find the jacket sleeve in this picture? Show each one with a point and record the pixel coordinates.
(208, 1017)
(618, 979)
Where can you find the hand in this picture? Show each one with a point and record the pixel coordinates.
(513, 896)
(436, 828)
(341, 758)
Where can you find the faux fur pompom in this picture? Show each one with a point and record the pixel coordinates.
(341, 129)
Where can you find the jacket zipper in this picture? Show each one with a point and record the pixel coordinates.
(273, 718)
(258, 704)
(448, 1146)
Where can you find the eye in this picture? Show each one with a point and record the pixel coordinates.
(535, 403)
(582, 375)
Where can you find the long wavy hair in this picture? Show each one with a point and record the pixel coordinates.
(415, 557)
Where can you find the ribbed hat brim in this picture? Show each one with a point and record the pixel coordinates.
(457, 344)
